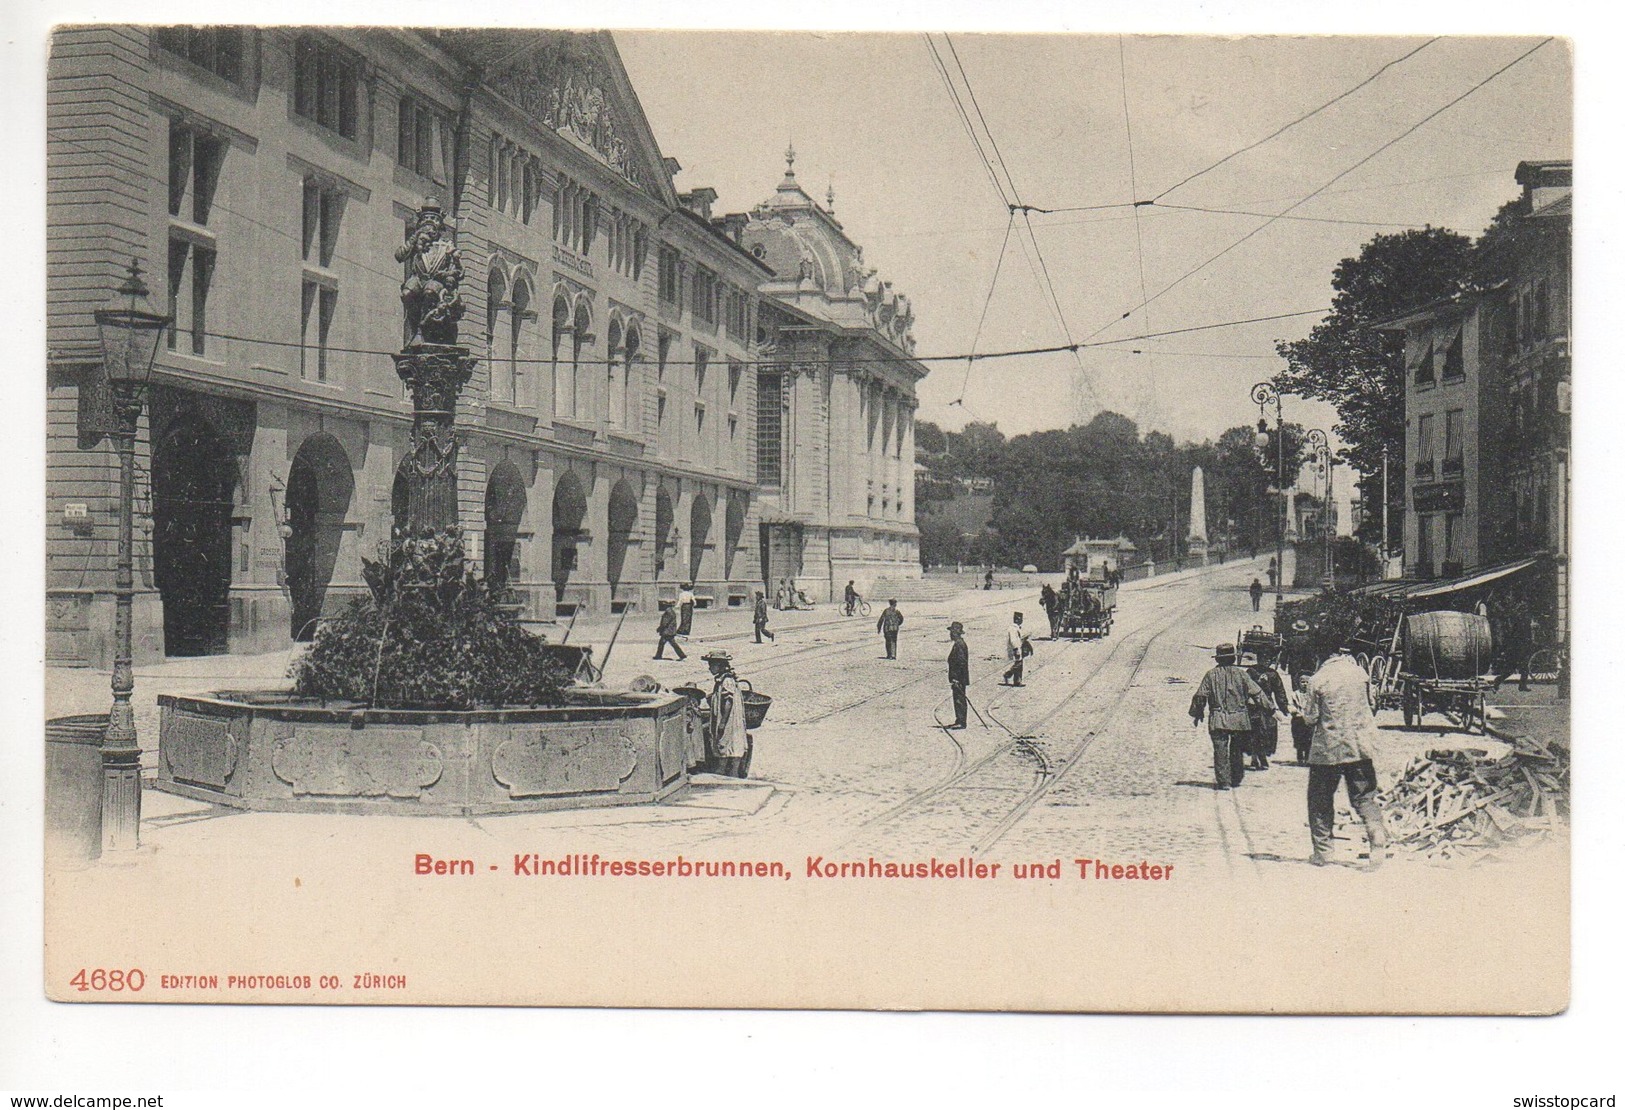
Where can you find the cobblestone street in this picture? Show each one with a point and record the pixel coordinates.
(1095, 757)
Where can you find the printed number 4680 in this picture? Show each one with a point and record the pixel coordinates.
(102, 979)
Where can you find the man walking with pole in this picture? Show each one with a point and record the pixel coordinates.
(888, 624)
(959, 673)
(1226, 696)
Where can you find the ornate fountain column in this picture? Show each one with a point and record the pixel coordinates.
(434, 367)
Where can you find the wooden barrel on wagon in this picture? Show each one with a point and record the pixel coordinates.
(1448, 645)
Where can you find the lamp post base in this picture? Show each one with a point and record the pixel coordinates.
(121, 801)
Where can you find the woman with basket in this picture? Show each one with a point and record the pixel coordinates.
(730, 743)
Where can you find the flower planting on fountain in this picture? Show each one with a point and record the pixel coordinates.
(430, 635)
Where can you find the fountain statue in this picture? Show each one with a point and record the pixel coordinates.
(426, 695)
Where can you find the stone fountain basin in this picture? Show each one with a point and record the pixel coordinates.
(275, 752)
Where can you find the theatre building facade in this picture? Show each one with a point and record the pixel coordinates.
(627, 341)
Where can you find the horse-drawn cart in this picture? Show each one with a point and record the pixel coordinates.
(1436, 664)
(1087, 610)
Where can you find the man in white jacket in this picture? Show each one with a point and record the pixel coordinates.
(1016, 650)
(1345, 734)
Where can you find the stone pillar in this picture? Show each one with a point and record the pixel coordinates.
(1197, 540)
(436, 374)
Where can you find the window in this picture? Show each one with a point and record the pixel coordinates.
(415, 132)
(702, 363)
(216, 49)
(705, 295)
(195, 160)
(563, 383)
(323, 208)
(736, 372)
(662, 353)
(1422, 368)
(671, 278)
(615, 395)
(326, 85)
(1454, 541)
(618, 408)
(1424, 445)
(1454, 367)
(769, 428)
(1453, 440)
(319, 302)
(512, 371)
(1424, 545)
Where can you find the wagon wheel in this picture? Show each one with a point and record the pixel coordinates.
(1364, 661)
(1476, 712)
(1412, 707)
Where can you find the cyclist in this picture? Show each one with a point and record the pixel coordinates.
(851, 597)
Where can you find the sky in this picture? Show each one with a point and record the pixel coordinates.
(870, 116)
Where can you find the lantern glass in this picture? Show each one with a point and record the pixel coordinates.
(130, 331)
(1262, 440)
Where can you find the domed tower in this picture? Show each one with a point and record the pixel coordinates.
(836, 450)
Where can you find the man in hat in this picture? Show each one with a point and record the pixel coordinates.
(667, 631)
(888, 624)
(1016, 650)
(851, 596)
(1340, 750)
(959, 673)
(1226, 696)
(685, 609)
(730, 745)
(759, 617)
(1266, 731)
(1256, 592)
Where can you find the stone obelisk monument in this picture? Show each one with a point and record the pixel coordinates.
(1196, 542)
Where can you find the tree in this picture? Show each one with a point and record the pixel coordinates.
(928, 438)
(1361, 370)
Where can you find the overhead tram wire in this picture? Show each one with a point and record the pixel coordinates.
(1310, 196)
(1134, 191)
(1014, 203)
(986, 304)
(1289, 126)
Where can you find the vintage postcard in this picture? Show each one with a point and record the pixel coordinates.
(895, 521)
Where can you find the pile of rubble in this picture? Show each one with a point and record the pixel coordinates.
(1448, 804)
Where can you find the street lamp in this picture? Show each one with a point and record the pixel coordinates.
(1323, 465)
(1266, 394)
(129, 334)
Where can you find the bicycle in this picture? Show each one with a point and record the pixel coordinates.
(1545, 665)
(858, 608)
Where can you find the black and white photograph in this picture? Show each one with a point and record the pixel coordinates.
(954, 520)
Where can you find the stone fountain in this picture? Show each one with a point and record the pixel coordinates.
(393, 709)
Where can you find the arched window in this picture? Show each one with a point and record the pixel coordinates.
(621, 403)
(564, 398)
(495, 304)
(520, 316)
(581, 336)
(612, 374)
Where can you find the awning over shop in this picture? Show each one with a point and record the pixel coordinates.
(1409, 589)
(1474, 580)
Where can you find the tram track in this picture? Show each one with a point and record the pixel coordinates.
(1021, 762)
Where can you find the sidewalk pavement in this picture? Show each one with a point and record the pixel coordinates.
(1536, 714)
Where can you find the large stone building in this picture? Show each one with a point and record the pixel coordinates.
(1487, 411)
(265, 178)
(835, 458)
